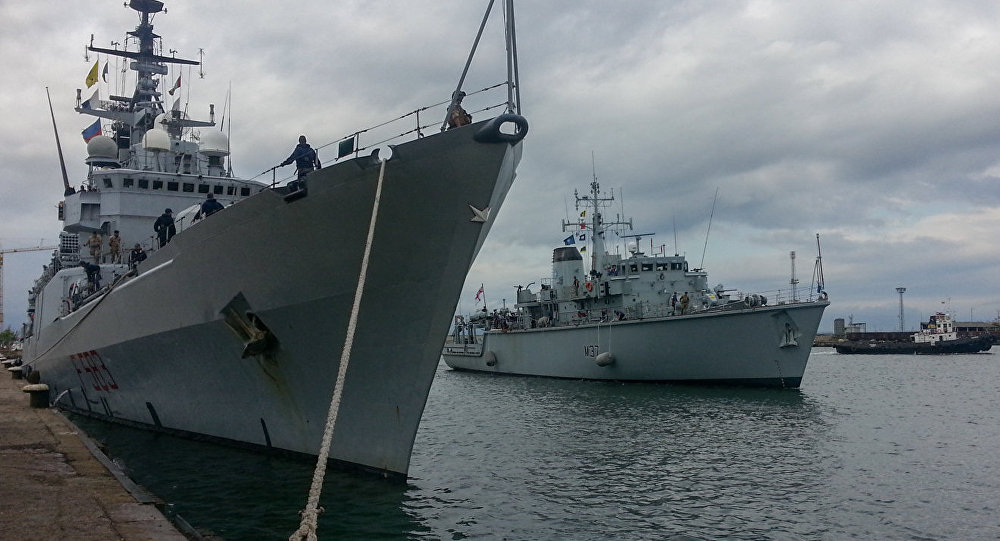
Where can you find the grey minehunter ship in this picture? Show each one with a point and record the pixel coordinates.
(234, 329)
(618, 321)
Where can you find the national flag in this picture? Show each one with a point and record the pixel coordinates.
(569, 240)
(583, 214)
(92, 131)
(480, 293)
(104, 74)
(583, 226)
(177, 104)
(92, 102)
(176, 86)
(92, 76)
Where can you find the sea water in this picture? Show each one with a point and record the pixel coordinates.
(870, 447)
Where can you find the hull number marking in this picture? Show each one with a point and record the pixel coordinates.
(91, 363)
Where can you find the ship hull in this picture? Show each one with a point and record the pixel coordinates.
(235, 329)
(766, 347)
(961, 345)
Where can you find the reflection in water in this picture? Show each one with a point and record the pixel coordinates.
(238, 494)
(887, 448)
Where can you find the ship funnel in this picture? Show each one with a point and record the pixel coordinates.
(567, 263)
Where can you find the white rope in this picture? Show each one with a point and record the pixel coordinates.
(307, 528)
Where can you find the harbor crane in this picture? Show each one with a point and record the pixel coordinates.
(10, 251)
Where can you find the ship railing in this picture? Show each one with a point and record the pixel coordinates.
(415, 124)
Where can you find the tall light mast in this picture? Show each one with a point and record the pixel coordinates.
(901, 290)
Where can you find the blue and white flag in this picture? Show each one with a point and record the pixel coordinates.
(569, 240)
(92, 102)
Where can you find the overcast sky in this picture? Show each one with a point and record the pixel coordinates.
(874, 125)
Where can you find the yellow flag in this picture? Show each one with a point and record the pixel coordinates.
(92, 76)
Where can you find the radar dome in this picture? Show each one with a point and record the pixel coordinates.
(102, 147)
(156, 139)
(214, 143)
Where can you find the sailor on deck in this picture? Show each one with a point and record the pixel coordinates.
(164, 227)
(458, 116)
(306, 161)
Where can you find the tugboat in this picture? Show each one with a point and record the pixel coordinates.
(240, 327)
(938, 337)
(638, 318)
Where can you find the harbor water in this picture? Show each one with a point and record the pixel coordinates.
(870, 447)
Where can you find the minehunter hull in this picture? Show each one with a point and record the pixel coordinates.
(767, 346)
(235, 329)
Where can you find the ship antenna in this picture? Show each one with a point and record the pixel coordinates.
(62, 162)
(818, 272)
(674, 219)
(710, 216)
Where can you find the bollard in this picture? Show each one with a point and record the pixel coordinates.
(16, 372)
(38, 395)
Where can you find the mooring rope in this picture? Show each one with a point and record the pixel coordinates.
(307, 528)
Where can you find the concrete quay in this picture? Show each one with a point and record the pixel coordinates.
(54, 485)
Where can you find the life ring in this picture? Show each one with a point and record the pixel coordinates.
(490, 132)
(589, 286)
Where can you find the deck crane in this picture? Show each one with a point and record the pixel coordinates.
(10, 251)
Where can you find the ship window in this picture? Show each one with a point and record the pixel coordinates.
(634, 268)
(107, 183)
(244, 192)
(203, 188)
(157, 184)
(144, 183)
(675, 266)
(217, 189)
(188, 187)
(647, 266)
(128, 182)
(172, 186)
(230, 190)
(662, 266)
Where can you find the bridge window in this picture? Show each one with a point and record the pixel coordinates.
(203, 188)
(108, 183)
(217, 189)
(128, 182)
(172, 186)
(244, 192)
(230, 190)
(647, 266)
(634, 268)
(144, 183)
(157, 184)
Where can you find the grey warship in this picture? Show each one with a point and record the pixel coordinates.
(233, 330)
(622, 320)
